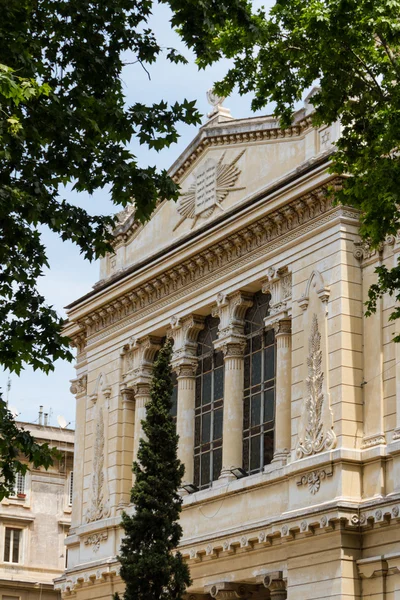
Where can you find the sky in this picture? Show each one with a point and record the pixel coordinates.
(70, 276)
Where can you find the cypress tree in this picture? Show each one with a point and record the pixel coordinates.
(149, 568)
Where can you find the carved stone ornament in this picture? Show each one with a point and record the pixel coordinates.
(78, 385)
(95, 540)
(278, 283)
(323, 292)
(313, 479)
(184, 333)
(214, 181)
(316, 437)
(230, 590)
(100, 508)
(138, 357)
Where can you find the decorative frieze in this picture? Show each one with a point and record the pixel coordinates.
(220, 257)
(317, 436)
(314, 478)
(95, 540)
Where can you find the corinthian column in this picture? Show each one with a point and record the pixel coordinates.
(231, 311)
(184, 333)
(283, 336)
(128, 419)
(185, 419)
(142, 397)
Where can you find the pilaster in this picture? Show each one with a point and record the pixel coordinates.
(184, 332)
(231, 311)
(283, 393)
(138, 363)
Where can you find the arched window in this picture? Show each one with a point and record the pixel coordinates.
(259, 388)
(209, 407)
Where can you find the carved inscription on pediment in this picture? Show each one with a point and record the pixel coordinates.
(214, 181)
(206, 187)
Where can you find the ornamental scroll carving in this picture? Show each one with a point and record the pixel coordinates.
(100, 507)
(316, 437)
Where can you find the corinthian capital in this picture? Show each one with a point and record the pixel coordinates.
(138, 357)
(184, 332)
(231, 310)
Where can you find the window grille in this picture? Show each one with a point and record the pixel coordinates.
(259, 388)
(12, 543)
(19, 485)
(208, 407)
(70, 488)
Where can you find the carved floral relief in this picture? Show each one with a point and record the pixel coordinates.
(100, 506)
(316, 436)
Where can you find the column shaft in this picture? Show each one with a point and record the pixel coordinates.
(283, 391)
(185, 423)
(232, 449)
(142, 397)
(128, 418)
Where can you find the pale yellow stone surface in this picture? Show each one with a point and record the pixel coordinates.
(43, 517)
(323, 506)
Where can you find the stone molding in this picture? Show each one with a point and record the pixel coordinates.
(222, 257)
(280, 530)
(323, 291)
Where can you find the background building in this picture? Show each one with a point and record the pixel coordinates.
(288, 399)
(35, 521)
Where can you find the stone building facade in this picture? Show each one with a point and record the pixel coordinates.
(288, 399)
(34, 522)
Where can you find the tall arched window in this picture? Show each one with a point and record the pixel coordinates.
(259, 388)
(209, 407)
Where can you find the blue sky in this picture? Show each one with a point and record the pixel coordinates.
(69, 276)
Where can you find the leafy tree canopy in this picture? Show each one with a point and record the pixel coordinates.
(351, 48)
(64, 119)
(149, 567)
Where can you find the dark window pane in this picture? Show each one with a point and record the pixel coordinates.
(197, 471)
(246, 455)
(197, 429)
(256, 368)
(206, 397)
(255, 453)
(269, 405)
(246, 372)
(268, 447)
(217, 463)
(15, 556)
(205, 469)
(198, 391)
(256, 343)
(218, 359)
(269, 337)
(206, 428)
(256, 410)
(218, 424)
(218, 404)
(7, 544)
(246, 413)
(207, 364)
(269, 363)
(219, 383)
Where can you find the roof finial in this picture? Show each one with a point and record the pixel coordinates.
(215, 101)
